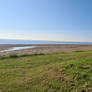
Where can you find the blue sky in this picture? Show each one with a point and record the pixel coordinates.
(59, 20)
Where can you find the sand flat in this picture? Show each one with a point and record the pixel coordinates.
(43, 48)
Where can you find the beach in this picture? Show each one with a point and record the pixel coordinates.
(42, 48)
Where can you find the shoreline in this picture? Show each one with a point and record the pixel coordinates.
(43, 48)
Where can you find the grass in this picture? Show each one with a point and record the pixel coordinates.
(60, 72)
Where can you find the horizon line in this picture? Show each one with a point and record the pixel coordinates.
(41, 40)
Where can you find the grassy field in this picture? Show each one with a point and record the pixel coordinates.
(60, 72)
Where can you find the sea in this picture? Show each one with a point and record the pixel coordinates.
(13, 41)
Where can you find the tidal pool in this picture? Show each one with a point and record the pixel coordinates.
(17, 48)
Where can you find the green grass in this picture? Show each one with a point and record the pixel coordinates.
(60, 72)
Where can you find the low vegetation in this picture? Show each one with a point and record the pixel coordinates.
(61, 72)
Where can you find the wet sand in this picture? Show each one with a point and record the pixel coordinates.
(43, 49)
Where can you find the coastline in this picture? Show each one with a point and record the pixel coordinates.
(43, 48)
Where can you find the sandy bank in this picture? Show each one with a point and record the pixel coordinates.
(44, 49)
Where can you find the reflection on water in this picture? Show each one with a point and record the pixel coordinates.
(17, 48)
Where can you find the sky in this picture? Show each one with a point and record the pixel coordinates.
(54, 20)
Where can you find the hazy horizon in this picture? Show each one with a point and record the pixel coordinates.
(17, 41)
(47, 20)
(40, 40)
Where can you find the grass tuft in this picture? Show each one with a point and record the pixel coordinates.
(13, 56)
(79, 51)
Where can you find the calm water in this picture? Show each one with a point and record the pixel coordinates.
(17, 48)
(6, 41)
